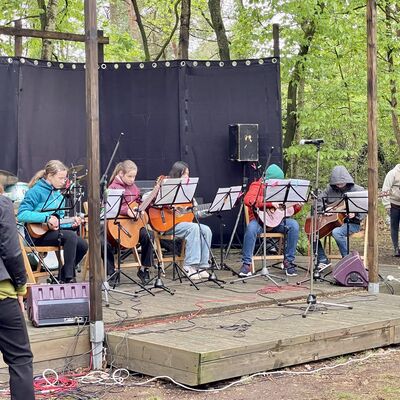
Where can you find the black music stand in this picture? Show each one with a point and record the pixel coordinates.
(351, 202)
(62, 206)
(225, 200)
(114, 201)
(115, 278)
(174, 192)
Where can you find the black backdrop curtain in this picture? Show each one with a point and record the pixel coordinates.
(168, 111)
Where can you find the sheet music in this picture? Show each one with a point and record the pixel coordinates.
(225, 199)
(357, 201)
(176, 191)
(297, 191)
(114, 198)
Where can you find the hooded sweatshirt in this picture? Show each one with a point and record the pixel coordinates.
(332, 193)
(391, 185)
(254, 197)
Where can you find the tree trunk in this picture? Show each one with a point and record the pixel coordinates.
(218, 25)
(48, 23)
(393, 82)
(183, 52)
(293, 87)
(142, 31)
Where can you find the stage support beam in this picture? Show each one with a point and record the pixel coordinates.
(372, 105)
(93, 163)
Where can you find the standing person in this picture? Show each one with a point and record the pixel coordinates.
(391, 201)
(197, 236)
(340, 183)
(123, 177)
(254, 198)
(14, 340)
(44, 196)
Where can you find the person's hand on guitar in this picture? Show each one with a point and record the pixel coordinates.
(77, 222)
(53, 223)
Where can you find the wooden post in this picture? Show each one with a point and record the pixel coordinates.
(372, 259)
(275, 36)
(93, 163)
(100, 35)
(18, 39)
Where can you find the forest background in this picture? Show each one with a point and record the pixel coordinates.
(323, 60)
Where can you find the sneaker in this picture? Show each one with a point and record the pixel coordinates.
(70, 280)
(192, 272)
(396, 253)
(203, 273)
(245, 270)
(113, 281)
(291, 270)
(143, 275)
(323, 265)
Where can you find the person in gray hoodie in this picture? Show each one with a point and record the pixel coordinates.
(340, 182)
(391, 201)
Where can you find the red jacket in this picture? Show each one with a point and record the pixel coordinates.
(254, 199)
(132, 193)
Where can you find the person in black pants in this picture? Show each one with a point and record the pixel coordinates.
(44, 196)
(14, 340)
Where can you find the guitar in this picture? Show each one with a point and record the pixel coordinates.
(272, 216)
(128, 229)
(325, 224)
(38, 230)
(162, 219)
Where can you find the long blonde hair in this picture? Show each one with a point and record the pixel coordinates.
(124, 167)
(51, 168)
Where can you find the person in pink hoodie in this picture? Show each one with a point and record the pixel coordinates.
(123, 177)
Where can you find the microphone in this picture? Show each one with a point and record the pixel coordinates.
(311, 141)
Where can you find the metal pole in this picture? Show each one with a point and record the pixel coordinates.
(93, 161)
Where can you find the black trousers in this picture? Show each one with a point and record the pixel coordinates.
(14, 344)
(74, 246)
(146, 257)
(394, 225)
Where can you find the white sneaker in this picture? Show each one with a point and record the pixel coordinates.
(203, 274)
(191, 272)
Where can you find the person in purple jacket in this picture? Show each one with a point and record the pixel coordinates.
(123, 177)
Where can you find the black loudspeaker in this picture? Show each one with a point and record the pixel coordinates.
(350, 271)
(243, 142)
(62, 304)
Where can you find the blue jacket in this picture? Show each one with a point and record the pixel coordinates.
(41, 197)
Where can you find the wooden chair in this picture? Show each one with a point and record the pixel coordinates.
(40, 271)
(268, 235)
(361, 234)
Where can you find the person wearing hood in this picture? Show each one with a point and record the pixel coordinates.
(254, 199)
(340, 182)
(38, 207)
(391, 201)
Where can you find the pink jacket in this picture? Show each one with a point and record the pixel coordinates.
(131, 194)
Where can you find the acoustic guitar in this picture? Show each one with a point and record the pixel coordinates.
(37, 230)
(272, 217)
(162, 219)
(126, 229)
(325, 224)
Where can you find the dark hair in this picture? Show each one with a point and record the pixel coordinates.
(178, 169)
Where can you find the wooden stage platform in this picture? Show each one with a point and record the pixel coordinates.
(206, 335)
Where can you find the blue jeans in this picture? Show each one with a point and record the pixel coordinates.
(254, 228)
(197, 243)
(340, 236)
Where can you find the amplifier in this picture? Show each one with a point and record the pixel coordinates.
(63, 304)
(350, 271)
(243, 142)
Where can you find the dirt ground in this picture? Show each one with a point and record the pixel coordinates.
(371, 375)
